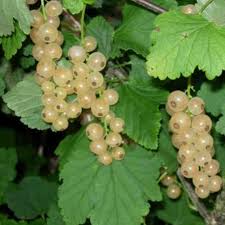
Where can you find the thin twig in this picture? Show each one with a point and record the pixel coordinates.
(151, 6)
(205, 5)
(207, 216)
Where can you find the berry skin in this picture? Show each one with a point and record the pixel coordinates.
(81, 86)
(189, 169)
(73, 110)
(202, 192)
(77, 54)
(38, 52)
(48, 99)
(118, 153)
(86, 117)
(38, 19)
(100, 108)
(94, 131)
(117, 125)
(90, 43)
(202, 158)
(196, 106)
(111, 96)
(60, 93)
(48, 87)
(98, 147)
(96, 61)
(186, 153)
(55, 21)
(53, 8)
(113, 139)
(80, 70)
(173, 191)
(46, 68)
(177, 101)
(212, 168)
(49, 115)
(62, 76)
(60, 38)
(48, 33)
(189, 9)
(201, 180)
(61, 106)
(95, 79)
(53, 51)
(34, 35)
(31, 2)
(61, 123)
(201, 123)
(109, 117)
(204, 141)
(215, 184)
(179, 122)
(86, 99)
(168, 180)
(105, 158)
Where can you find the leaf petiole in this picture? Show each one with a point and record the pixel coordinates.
(82, 23)
(43, 9)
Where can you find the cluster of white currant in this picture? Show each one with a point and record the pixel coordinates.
(191, 135)
(173, 189)
(83, 79)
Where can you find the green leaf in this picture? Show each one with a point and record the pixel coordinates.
(74, 6)
(213, 94)
(32, 197)
(134, 32)
(27, 62)
(214, 12)
(220, 125)
(54, 216)
(178, 42)
(167, 4)
(25, 100)
(90, 2)
(139, 107)
(14, 9)
(37, 222)
(2, 86)
(103, 32)
(8, 160)
(98, 3)
(115, 194)
(219, 144)
(166, 150)
(11, 44)
(177, 212)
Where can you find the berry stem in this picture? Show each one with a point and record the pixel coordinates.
(82, 23)
(205, 6)
(43, 9)
(208, 217)
(162, 176)
(149, 5)
(189, 87)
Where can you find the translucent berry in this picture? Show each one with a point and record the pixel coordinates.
(111, 96)
(61, 123)
(81, 86)
(49, 115)
(86, 117)
(77, 54)
(73, 110)
(86, 99)
(204, 141)
(201, 180)
(177, 101)
(100, 108)
(169, 110)
(60, 93)
(113, 139)
(39, 79)
(61, 105)
(168, 180)
(117, 125)
(202, 158)
(55, 21)
(202, 123)
(46, 68)
(60, 38)
(189, 169)
(53, 8)
(105, 158)
(53, 51)
(90, 43)
(109, 117)
(94, 131)
(48, 100)
(118, 153)
(186, 153)
(38, 52)
(212, 168)
(202, 192)
(34, 35)
(48, 33)
(38, 19)
(80, 70)
(189, 9)
(99, 147)
(179, 122)
(31, 2)
(62, 76)
(48, 87)
(196, 106)
(215, 184)
(173, 191)
(96, 61)
(95, 79)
